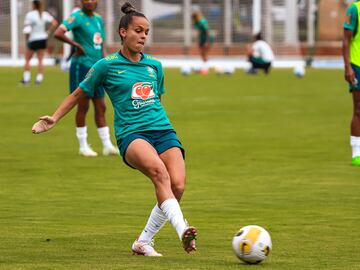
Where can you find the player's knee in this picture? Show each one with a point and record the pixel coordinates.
(159, 175)
(83, 108)
(178, 189)
(357, 109)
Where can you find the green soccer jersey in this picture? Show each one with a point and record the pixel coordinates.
(89, 32)
(352, 24)
(203, 26)
(134, 89)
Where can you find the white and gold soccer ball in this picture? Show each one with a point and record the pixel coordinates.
(252, 244)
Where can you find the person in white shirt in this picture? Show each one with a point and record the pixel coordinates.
(36, 36)
(260, 55)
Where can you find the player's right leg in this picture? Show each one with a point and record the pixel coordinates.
(355, 128)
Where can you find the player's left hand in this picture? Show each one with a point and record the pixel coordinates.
(45, 123)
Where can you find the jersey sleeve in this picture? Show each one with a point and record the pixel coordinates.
(47, 17)
(351, 18)
(160, 79)
(27, 20)
(94, 78)
(72, 22)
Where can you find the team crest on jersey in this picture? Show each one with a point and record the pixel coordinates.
(71, 19)
(143, 90)
(151, 72)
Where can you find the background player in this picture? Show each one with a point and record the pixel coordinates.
(351, 55)
(36, 37)
(204, 38)
(260, 55)
(89, 35)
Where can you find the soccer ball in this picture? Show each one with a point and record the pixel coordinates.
(299, 71)
(229, 70)
(185, 70)
(252, 244)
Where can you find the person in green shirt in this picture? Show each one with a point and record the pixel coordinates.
(205, 39)
(135, 83)
(88, 40)
(351, 55)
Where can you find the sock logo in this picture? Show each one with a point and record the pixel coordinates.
(143, 90)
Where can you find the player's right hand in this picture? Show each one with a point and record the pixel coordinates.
(349, 75)
(79, 50)
(45, 123)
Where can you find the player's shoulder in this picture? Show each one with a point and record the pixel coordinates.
(31, 14)
(97, 15)
(152, 59)
(111, 58)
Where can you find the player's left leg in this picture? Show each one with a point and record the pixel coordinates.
(27, 74)
(355, 128)
(40, 75)
(103, 129)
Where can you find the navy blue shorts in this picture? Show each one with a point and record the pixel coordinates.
(161, 140)
(77, 74)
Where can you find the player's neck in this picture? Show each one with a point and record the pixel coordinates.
(88, 12)
(131, 56)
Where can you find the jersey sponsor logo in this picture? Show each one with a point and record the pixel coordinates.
(111, 57)
(143, 90)
(97, 39)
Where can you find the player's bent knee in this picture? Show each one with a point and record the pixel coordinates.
(178, 190)
(159, 175)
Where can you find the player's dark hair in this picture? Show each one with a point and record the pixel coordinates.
(130, 12)
(38, 6)
(258, 36)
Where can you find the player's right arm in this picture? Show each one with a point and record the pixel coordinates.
(349, 27)
(349, 72)
(47, 122)
(68, 25)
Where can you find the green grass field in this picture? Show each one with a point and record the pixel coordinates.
(272, 151)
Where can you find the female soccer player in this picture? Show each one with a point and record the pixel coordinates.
(135, 82)
(205, 39)
(36, 38)
(89, 35)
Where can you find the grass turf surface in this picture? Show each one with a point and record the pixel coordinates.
(272, 151)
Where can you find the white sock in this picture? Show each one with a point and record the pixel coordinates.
(81, 134)
(26, 76)
(155, 222)
(39, 77)
(104, 134)
(171, 209)
(355, 144)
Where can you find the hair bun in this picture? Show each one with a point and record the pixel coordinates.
(128, 8)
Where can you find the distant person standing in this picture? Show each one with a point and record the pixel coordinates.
(36, 36)
(89, 35)
(260, 55)
(351, 55)
(204, 38)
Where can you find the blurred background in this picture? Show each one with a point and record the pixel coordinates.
(296, 29)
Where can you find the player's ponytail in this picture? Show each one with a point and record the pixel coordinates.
(130, 12)
(38, 6)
